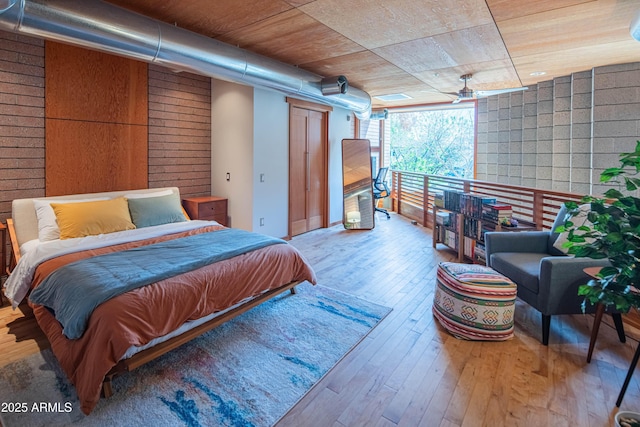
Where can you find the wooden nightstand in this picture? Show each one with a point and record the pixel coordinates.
(206, 208)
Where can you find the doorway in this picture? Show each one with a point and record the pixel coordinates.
(308, 126)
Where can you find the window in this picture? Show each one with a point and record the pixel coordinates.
(433, 141)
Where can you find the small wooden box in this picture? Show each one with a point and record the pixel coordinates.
(206, 208)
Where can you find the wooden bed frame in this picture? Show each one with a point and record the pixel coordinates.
(149, 354)
(158, 350)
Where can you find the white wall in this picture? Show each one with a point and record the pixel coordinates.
(340, 127)
(271, 161)
(250, 140)
(232, 149)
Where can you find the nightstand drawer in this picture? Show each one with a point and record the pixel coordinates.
(208, 208)
(211, 209)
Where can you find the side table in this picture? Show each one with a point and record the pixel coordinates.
(593, 271)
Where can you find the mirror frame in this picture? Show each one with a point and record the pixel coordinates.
(357, 185)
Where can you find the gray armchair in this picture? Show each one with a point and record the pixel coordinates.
(547, 279)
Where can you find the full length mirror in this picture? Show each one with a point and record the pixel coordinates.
(356, 179)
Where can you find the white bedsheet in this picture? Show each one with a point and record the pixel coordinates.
(19, 281)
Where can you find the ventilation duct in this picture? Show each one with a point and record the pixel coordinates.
(108, 28)
(379, 115)
(334, 85)
(634, 28)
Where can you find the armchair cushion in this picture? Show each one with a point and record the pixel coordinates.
(521, 267)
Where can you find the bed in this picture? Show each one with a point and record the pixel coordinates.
(117, 279)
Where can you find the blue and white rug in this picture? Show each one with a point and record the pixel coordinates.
(247, 372)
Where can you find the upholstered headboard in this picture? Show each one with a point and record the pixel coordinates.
(25, 221)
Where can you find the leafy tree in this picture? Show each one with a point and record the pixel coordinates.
(433, 142)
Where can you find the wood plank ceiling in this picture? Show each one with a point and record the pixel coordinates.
(417, 47)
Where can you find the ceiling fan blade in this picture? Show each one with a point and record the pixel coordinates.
(484, 93)
(455, 101)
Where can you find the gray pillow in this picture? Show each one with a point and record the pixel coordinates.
(560, 219)
(150, 211)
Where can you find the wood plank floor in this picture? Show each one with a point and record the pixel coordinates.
(408, 371)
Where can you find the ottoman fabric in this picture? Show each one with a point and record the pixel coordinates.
(474, 302)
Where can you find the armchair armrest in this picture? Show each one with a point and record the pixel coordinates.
(560, 277)
(509, 241)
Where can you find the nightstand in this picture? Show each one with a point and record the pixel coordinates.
(207, 208)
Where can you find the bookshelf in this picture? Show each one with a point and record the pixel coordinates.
(463, 219)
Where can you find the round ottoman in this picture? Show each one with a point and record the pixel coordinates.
(474, 302)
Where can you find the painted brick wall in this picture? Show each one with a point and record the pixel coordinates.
(562, 133)
(21, 119)
(179, 131)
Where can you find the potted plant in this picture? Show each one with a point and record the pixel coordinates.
(612, 231)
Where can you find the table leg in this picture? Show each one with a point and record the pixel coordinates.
(632, 368)
(595, 329)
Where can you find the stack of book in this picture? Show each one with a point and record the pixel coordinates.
(471, 204)
(496, 212)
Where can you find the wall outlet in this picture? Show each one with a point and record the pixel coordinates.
(261, 222)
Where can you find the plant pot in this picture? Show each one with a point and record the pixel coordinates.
(627, 415)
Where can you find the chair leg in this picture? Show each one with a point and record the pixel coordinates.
(617, 320)
(384, 211)
(546, 326)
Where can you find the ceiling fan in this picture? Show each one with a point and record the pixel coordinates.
(467, 93)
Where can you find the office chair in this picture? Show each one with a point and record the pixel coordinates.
(380, 190)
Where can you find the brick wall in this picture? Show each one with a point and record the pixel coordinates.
(562, 133)
(21, 119)
(179, 131)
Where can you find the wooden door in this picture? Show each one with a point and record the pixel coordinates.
(307, 170)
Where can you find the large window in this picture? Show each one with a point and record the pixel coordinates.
(433, 141)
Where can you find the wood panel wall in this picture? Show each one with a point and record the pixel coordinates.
(96, 121)
(179, 131)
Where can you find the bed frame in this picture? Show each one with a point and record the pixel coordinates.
(25, 228)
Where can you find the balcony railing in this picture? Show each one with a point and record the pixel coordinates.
(413, 193)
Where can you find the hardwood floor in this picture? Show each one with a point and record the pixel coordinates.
(408, 371)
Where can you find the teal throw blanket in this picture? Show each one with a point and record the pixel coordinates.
(76, 289)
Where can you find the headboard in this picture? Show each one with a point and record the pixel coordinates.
(25, 221)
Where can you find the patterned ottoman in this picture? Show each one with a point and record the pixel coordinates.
(474, 302)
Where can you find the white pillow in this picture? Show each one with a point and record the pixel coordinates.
(29, 245)
(47, 224)
(578, 220)
(160, 193)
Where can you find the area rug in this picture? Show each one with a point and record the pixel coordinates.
(247, 372)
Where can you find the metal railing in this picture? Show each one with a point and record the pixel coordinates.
(413, 194)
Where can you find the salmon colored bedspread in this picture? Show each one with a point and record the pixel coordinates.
(140, 315)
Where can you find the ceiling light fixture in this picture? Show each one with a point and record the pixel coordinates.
(538, 73)
(393, 97)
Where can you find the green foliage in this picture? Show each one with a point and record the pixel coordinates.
(433, 142)
(614, 234)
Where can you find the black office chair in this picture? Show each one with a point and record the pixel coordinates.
(380, 190)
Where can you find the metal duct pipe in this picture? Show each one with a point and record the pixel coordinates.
(108, 28)
(379, 115)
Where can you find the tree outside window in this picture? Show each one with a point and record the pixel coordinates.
(434, 142)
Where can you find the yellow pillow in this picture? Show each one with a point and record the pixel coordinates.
(92, 218)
